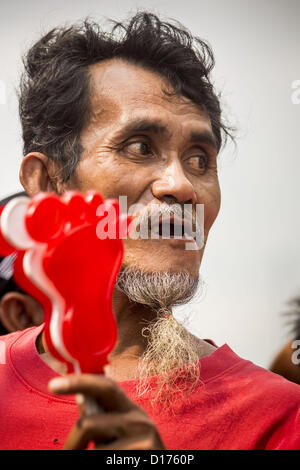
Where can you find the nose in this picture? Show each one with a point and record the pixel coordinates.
(172, 182)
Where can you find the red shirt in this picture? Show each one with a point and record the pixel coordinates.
(238, 405)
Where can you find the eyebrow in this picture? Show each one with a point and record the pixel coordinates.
(205, 137)
(146, 125)
(156, 127)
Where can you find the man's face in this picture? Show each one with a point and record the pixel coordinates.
(148, 146)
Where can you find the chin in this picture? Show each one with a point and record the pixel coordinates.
(162, 256)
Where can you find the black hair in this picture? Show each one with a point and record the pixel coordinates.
(54, 90)
(294, 317)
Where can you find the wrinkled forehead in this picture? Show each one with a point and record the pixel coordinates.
(119, 89)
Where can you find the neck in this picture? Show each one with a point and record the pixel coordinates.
(130, 346)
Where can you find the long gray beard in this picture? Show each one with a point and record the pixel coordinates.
(172, 352)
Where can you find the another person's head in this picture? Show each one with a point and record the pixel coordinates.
(18, 310)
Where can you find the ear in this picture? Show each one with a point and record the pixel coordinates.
(19, 311)
(38, 173)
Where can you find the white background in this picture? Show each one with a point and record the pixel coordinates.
(252, 263)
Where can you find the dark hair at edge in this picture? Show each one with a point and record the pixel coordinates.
(54, 90)
(293, 316)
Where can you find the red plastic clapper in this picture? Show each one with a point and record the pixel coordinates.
(71, 270)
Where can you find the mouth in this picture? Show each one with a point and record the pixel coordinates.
(172, 227)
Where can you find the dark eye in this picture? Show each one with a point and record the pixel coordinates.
(198, 162)
(138, 148)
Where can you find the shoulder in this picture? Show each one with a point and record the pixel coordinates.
(267, 391)
(22, 341)
(12, 337)
(271, 402)
(269, 381)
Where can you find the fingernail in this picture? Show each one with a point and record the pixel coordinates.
(59, 383)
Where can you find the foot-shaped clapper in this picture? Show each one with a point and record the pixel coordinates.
(69, 263)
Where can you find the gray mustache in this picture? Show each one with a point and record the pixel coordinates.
(152, 214)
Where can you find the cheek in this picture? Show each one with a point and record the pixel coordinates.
(211, 198)
(110, 177)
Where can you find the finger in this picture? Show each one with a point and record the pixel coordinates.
(101, 429)
(129, 443)
(87, 405)
(108, 395)
(75, 440)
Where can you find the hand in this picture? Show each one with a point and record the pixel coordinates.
(120, 423)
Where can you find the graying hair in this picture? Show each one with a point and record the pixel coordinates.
(157, 289)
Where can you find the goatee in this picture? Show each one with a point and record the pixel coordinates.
(172, 352)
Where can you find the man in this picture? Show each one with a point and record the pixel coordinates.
(133, 112)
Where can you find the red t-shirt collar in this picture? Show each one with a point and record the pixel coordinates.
(35, 373)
